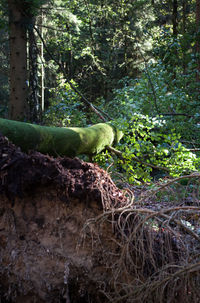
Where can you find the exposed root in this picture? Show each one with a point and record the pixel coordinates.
(157, 259)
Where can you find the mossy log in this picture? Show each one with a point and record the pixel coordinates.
(62, 141)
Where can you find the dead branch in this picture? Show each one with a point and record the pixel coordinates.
(191, 176)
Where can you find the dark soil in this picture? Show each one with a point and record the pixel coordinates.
(72, 178)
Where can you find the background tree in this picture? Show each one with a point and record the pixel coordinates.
(23, 101)
(97, 42)
(18, 61)
(4, 50)
(198, 38)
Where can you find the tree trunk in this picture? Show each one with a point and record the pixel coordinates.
(175, 17)
(41, 57)
(197, 39)
(184, 2)
(60, 141)
(34, 105)
(18, 63)
(174, 22)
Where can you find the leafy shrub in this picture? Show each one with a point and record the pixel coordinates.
(65, 108)
(156, 92)
(149, 151)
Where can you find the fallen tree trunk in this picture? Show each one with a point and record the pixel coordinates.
(60, 141)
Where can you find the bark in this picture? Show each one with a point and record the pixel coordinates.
(184, 15)
(60, 141)
(175, 32)
(18, 63)
(33, 76)
(184, 4)
(41, 57)
(197, 39)
(175, 17)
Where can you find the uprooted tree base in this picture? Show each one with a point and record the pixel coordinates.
(68, 234)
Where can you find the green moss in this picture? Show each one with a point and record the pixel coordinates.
(59, 141)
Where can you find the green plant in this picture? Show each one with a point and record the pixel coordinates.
(149, 150)
(65, 107)
(156, 92)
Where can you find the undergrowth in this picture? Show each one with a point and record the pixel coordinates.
(148, 151)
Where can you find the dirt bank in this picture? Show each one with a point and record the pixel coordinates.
(46, 254)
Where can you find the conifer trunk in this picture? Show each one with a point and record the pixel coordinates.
(175, 17)
(184, 3)
(18, 62)
(34, 105)
(175, 32)
(197, 39)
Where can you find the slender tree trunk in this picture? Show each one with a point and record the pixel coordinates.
(42, 102)
(197, 39)
(18, 63)
(184, 5)
(41, 61)
(184, 2)
(33, 77)
(175, 32)
(175, 17)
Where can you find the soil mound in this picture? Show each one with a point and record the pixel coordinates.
(72, 178)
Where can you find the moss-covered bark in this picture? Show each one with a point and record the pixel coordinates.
(60, 141)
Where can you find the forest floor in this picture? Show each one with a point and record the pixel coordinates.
(69, 234)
